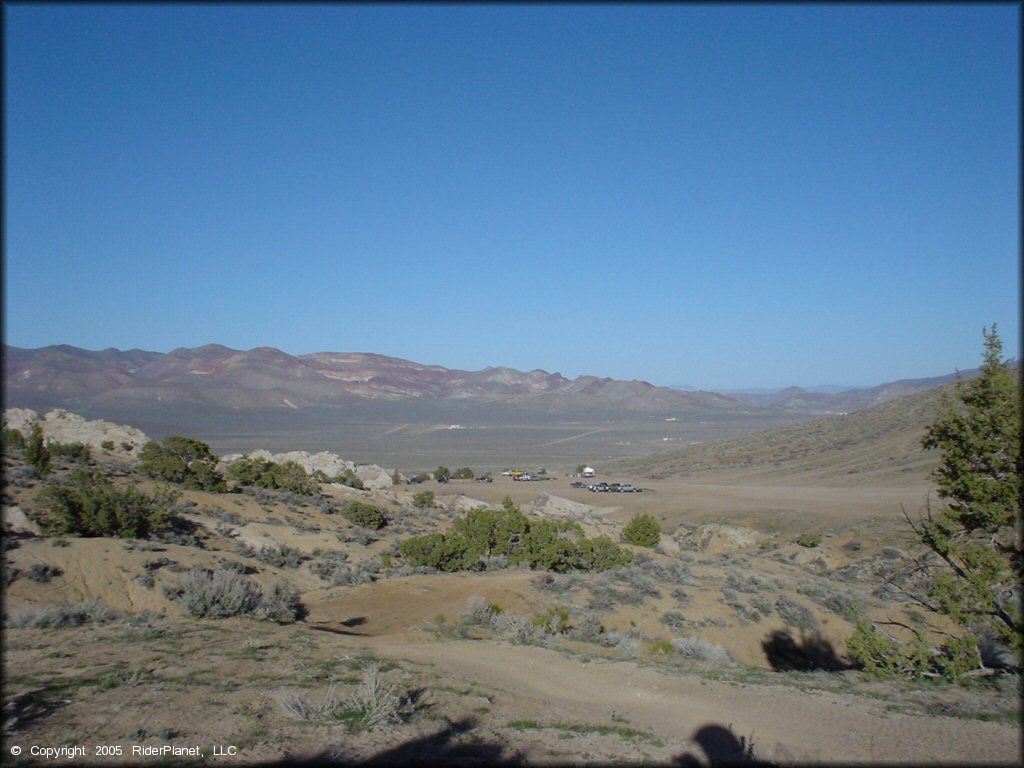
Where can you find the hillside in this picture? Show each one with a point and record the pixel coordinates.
(723, 631)
(880, 445)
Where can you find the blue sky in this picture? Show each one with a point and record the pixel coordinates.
(722, 196)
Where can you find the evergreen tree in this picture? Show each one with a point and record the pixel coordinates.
(972, 565)
(977, 535)
(37, 453)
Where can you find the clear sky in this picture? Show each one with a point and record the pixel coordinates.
(716, 195)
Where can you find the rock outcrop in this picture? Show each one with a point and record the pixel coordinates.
(372, 476)
(63, 427)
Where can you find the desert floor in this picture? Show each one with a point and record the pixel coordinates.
(152, 676)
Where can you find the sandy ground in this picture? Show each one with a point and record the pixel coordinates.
(483, 699)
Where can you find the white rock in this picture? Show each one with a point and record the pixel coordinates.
(16, 521)
(64, 427)
(374, 477)
(21, 419)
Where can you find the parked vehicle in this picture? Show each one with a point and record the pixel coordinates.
(598, 487)
(628, 488)
(577, 484)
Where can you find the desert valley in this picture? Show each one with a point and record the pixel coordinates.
(334, 567)
(512, 384)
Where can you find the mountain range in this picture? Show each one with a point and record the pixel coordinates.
(386, 410)
(264, 377)
(219, 377)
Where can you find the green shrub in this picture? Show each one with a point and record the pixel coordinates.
(442, 472)
(662, 646)
(436, 550)
(642, 531)
(366, 515)
(463, 473)
(263, 473)
(88, 504)
(554, 621)
(507, 533)
(552, 545)
(808, 539)
(424, 500)
(183, 461)
(107, 445)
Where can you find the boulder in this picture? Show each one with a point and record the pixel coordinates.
(374, 477)
(16, 521)
(330, 464)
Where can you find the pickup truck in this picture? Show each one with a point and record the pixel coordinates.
(598, 487)
(628, 488)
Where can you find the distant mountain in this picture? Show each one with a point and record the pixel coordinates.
(821, 400)
(214, 376)
(829, 388)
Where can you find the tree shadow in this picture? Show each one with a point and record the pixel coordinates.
(812, 652)
(720, 747)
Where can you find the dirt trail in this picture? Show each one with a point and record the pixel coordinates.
(787, 724)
